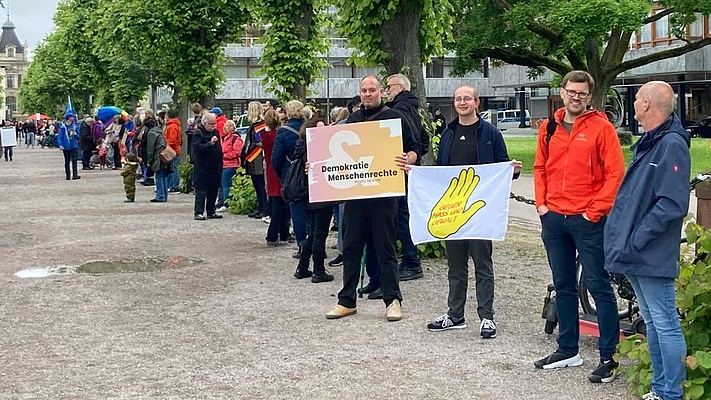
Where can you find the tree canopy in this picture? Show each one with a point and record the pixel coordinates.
(563, 35)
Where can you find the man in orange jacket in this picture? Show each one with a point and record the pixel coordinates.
(578, 169)
(174, 138)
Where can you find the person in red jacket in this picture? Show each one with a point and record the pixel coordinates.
(231, 148)
(221, 119)
(578, 169)
(174, 137)
(278, 231)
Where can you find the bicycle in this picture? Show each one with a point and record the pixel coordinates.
(628, 309)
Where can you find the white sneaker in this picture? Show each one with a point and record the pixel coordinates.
(221, 209)
(267, 219)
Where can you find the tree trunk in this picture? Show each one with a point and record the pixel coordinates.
(303, 19)
(401, 41)
(602, 87)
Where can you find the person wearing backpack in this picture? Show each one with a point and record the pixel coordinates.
(282, 155)
(318, 215)
(231, 147)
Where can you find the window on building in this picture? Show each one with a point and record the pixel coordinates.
(644, 36)
(435, 69)
(10, 79)
(11, 103)
(10, 52)
(696, 29)
(661, 28)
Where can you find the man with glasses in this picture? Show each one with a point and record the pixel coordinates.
(402, 99)
(468, 140)
(578, 169)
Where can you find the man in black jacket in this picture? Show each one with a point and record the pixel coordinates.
(403, 100)
(373, 221)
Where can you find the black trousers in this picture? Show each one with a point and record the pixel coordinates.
(372, 222)
(260, 187)
(316, 233)
(205, 198)
(85, 158)
(117, 155)
(70, 155)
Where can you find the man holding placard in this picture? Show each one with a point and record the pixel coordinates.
(370, 218)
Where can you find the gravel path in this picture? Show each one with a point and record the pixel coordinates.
(239, 325)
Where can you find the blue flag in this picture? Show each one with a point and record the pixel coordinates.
(70, 110)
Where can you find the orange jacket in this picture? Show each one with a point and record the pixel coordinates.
(173, 134)
(579, 172)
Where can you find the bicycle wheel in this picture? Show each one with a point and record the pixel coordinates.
(588, 303)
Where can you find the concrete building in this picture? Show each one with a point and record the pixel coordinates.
(342, 81)
(14, 63)
(689, 74)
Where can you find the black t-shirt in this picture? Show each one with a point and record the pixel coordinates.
(464, 150)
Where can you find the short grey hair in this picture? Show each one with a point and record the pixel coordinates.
(209, 117)
(401, 79)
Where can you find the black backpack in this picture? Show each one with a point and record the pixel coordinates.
(295, 187)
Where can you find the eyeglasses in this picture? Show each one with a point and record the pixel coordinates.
(208, 123)
(391, 85)
(465, 99)
(573, 93)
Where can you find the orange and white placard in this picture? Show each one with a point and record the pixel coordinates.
(355, 161)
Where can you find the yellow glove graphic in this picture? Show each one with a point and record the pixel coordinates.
(449, 215)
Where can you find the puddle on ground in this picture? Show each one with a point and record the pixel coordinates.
(111, 267)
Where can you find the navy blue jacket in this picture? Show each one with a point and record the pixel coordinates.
(489, 142)
(284, 146)
(644, 227)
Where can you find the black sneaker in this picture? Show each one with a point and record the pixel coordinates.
(303, 273)
(369, 288)
(605, 372)
(410, 274)
(199, 217)
(445, 323)
(322, 277)
(377, 294)
(559, 360)
(336, 262)
(487, 328)
(214, 216)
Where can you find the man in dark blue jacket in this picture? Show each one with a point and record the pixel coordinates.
(643, 230)
(468, 140)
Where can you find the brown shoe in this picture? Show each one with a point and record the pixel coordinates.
(339, 312)
(394, 311)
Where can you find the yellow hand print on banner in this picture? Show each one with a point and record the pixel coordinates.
(449, 215)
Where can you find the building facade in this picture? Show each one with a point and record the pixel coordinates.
(14, 63)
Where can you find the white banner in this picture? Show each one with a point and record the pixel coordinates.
(460, 202)
(9, 136)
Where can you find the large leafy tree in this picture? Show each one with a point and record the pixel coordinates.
(563, 35)
(295, 37)
(398, 34)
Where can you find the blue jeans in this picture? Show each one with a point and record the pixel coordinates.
(227, 175)
(174, 177)
(279, 225)
(30, 140)
(410, 259)
(667, 347)
(298, 219)
(562, 235)
(339, 245)
(161, 178)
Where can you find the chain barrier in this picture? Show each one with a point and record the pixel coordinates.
(522, 199)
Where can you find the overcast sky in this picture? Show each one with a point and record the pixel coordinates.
(32, 19)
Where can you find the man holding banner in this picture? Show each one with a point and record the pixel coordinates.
(371, 220)
(468, 140)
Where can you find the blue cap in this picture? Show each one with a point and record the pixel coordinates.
(216, 110)
(66, 116)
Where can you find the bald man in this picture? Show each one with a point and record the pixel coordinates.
(643, 231)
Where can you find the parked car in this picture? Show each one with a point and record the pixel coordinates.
(242, 125)
(701, 128)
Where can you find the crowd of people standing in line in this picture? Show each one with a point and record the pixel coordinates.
(578, 149)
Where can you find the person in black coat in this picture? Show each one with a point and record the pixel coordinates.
(207, 151)
(87, 142)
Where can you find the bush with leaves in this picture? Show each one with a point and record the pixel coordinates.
(693, 298)
(426, 250)
(186, 174)
(625, 137)
(243, 198)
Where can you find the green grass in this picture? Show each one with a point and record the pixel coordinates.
(524, 150)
